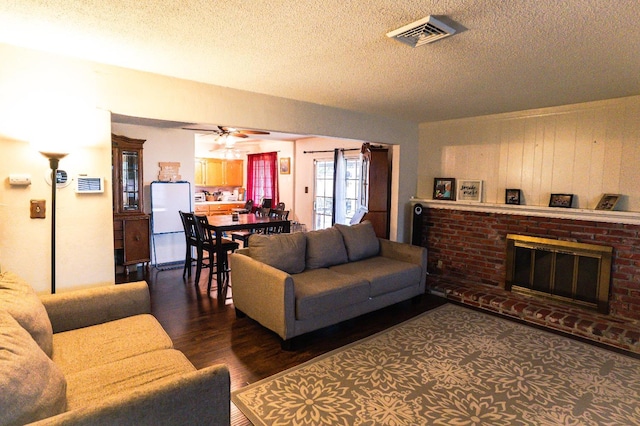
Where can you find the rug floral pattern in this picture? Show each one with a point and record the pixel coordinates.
(453, 366)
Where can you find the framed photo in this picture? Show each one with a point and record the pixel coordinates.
(512, 196)
(444, 189)
(470, 190)
(285, 165)
(608, 202)
(561, 200)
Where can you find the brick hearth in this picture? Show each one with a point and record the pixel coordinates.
(604, 329)
(467, 258)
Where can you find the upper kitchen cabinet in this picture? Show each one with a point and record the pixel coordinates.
(234, 173)
(218, 172)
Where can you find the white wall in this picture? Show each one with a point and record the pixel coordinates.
(163, 145)
(585, 149)
(36, 90)
(150, 96)
(51, 102)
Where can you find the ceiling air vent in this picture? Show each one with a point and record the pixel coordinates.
(426, 30)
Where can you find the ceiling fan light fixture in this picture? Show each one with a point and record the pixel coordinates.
(423, 31)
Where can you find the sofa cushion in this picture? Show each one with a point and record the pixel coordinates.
(283, 251)
(21, 301)
(32, 386)
(84, 348)
(360, 240)
(385, 275)
(318, 291)
(120, 378)
(325, 247)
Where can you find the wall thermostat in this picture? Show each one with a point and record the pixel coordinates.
(62, 178)
(20, 179)
(89, 184)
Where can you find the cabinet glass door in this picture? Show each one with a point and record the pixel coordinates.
(130, 181)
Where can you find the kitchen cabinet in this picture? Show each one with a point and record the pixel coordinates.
(215, 172)
(218, 172)
(234, 172)
(131, 232)
(200, 171)
(209, 209)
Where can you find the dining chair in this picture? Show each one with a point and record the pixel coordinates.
(191, 241)
(243, 235)
(266, 203)
(277, 214)
(248, 206)
(207, 242)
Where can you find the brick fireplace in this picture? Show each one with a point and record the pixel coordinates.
(470, 243)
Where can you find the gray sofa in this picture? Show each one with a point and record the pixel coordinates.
(296, 283)
(96, 357)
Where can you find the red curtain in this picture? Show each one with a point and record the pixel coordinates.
(262, 177)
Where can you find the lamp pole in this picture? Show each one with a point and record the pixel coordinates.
(54, 161)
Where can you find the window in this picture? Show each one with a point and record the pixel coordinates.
(324, 191)
(353, 186)
(323, 194)
(262, 177)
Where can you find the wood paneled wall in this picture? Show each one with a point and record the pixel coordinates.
(585, 149)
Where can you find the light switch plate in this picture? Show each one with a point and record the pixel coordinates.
(38, 209)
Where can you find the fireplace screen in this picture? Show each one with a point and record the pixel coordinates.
(574, 272)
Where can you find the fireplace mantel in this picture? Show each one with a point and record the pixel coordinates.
(632, 218)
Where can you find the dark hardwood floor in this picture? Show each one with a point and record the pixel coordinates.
(206, 330)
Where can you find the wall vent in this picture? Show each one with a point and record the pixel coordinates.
(426, 30)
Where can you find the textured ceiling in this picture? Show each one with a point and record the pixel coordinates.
(506, 55)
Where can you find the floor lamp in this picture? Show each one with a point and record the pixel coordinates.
(54, 160)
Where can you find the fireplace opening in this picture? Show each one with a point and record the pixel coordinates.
(578, 273)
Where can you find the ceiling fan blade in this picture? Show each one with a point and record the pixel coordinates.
(199, 129)
(238, 135)
(253, 132)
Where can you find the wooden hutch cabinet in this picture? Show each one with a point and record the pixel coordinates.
(379, 191)
(131, 230)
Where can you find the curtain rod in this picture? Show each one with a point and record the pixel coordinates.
(331, 150)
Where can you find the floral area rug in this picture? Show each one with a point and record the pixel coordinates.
(452, 366)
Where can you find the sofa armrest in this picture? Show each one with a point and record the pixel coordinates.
(405, 253)
(197, 397)
(264, 293)
(81, 308)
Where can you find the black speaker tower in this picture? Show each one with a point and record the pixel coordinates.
(417, 225)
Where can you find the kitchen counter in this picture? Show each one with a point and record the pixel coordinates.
(218, 202)
(217, 207)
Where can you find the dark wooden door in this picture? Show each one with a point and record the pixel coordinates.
(379, 191)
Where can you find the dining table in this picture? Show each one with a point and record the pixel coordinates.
(220, 224)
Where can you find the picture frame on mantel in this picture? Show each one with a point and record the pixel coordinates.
(470, 190)
(608, 202)
(513, 196)
(561, 200)
(444, 189)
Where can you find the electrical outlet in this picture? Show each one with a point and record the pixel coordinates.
(439, 264)
(38, 209)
